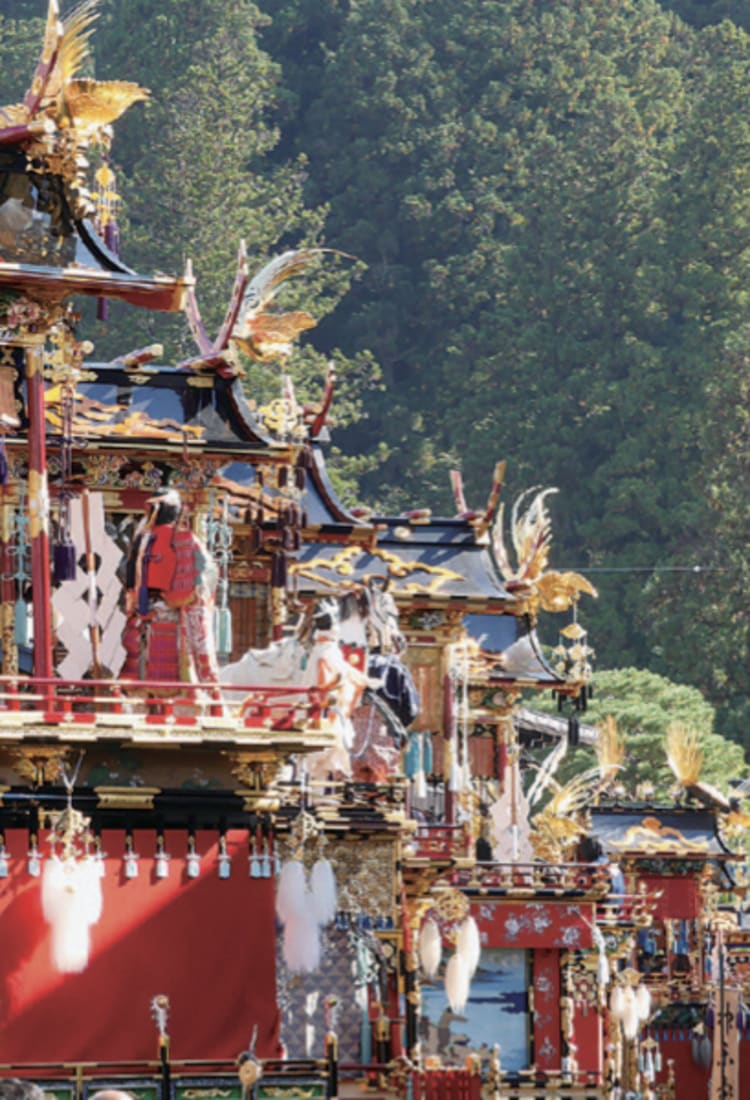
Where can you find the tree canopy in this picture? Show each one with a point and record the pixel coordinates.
(644, 706)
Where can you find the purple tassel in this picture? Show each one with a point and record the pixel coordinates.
(3, 462)
(278, 570)
(112, 237)
(63, 562)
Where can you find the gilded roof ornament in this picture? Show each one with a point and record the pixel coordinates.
(63, 112)
(531, 535)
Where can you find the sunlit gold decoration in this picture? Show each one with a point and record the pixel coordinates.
(610, 749)
(106, 197)
(556, 830)
(39, 765)
(93, 418)
(684, 753)
(64, 113)
(343, 563)
(573, 654)
(93, 104)
(79, 103)
(531, 534)
(270, 336)
(450, 905)
(365, 871)
(126, 798)
(652, 836)
(283, 417)
(256, 771)
(38, 503)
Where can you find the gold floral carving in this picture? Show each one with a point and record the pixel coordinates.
(256, 771)
(365, 871)
(39, 765)
(283, 418)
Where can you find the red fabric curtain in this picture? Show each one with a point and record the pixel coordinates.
(207, 943)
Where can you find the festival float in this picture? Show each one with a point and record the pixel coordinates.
(277, 816)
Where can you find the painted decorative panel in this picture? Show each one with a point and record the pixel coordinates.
(497, 1012)
(534, 924)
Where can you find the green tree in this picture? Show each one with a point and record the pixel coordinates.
(551, 199)
(20, 42)
(644, 705)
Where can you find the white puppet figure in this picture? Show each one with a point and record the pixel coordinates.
(340, 682)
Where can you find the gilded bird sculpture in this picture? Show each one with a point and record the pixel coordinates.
(260, 333)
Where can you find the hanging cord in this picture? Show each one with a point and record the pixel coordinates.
(71, 825)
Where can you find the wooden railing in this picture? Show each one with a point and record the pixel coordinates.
(167, 705)
(538, 879)
(461, 1084)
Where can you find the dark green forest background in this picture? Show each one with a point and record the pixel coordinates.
(549, 201)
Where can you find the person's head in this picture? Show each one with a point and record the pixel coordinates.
(326, 617)
(164, 506)
(12, 1088)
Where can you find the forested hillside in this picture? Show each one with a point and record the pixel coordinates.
(549, 201)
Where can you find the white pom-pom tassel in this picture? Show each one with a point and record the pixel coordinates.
(643, 1003)
(457, 982)
(323, 891)
(630, 1018)
(602, 970)
(455, 778)
(468, 944)
(71, 900)
(291, 896)
(53, 887)
(430, 948)
(419, 787)
(301, 947)
(617, 1002)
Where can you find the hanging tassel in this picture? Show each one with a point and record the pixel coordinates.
(468, 944)
(455, 779)
(617, 1002)
(602, 966)
(254, 861)
(430, 948)
(21, 623)
(223, 631)
(3, 461)
(643, 1003)
(301, 946)
(427, 753)
(265, 863)
(630, 1019)
(291, 895)
(278, 570)
(457, 983)
(411, 756)
(323, 891)
(648, 1066)
(63, 562)
(419, 789)
(71, 903)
